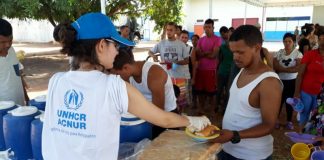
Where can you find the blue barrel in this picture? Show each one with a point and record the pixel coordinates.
(39, 102)
(17, 128)
(134, 129)
(5, 106)
(36, 137)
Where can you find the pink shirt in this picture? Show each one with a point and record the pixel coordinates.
(207, 44)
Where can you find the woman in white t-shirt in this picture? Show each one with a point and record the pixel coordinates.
(286, 64)
(84, 106)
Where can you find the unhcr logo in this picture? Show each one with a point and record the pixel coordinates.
(73, 99)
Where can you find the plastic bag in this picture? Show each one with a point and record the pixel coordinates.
(130, 151)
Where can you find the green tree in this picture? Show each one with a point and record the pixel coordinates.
(56, 11)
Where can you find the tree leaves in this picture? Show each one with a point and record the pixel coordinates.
(56, 11)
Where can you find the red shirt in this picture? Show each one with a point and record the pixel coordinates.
(314, 73)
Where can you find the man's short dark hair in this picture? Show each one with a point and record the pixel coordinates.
(231, 29)
(123, 27)
(5, 28)
(172, 24)
(195, 35)
(209, 21)
(185, 32)
(223, 29)
(125, 56)
(250, 34)
(289, 35)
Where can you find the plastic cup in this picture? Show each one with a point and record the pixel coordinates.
(301, 151)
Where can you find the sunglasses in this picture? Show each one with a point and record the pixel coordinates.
(116, 44)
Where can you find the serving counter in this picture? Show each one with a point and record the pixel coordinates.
(176, 145)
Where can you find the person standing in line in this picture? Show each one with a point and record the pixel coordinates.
(178, 31)
(125, 33)
(286, 63)
(12, 87)
(193, 69)
(225, 61)
(175, 59)
(304, 46)
(84, 106)
(206, 53)
(254, 101)
(310, 78)
(184, 37)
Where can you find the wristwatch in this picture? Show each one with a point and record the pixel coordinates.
(236, 137)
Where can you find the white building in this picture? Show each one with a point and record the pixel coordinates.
(275, 21)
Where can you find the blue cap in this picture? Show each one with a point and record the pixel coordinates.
(97, 26)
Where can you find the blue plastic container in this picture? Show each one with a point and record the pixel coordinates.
(5, 106)
(296, 103)
(133, 129)
(36, 137)
(39, 102)
(17, 129)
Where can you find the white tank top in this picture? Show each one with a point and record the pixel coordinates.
(170, 100)
(240, 115)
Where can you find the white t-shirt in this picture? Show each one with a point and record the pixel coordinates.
(169, 97)
(173, 51)
(287, 61)
(11, 88)
(82, 117)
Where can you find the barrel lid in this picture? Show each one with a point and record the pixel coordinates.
(6, 104)
(24, 111)
(128, 115)
(41, 98)
(40, 116)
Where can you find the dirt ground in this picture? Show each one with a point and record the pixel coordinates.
(39, 68)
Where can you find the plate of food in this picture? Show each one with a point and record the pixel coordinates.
(206, 134)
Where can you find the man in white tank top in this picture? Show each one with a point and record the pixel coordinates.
(254, 101)
(150, 79)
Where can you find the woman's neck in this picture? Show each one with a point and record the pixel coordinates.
(86, 66)
(288, 50)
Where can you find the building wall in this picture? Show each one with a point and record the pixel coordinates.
(227, 10)
(32, 30)
(318, 15)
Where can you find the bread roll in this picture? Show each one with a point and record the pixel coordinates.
(207, 131)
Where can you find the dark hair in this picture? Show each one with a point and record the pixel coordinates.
(5, 28)
(80, 50)
(176, 90)
(209, 21)
(320, 31)
(302, 43)
(125, 56)
(231, 29)
(123, 27)
(57, 29)
(180, 27)
(289, 35)
(172, 24)
(307, 29)
(250, 34)
(223, 29)
(185, 32)
(195, 35)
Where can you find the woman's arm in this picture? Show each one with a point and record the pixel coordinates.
(299, 79)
